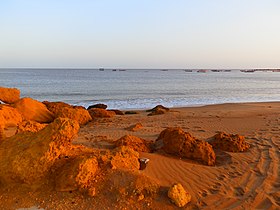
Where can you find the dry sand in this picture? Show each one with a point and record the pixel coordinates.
(247, 180)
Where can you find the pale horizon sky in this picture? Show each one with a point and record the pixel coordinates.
(140, 34)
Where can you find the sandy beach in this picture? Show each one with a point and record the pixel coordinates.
(243, 180)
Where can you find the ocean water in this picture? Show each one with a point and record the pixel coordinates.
(140, 89)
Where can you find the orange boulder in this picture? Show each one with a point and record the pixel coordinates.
(178, 195)
(82, 116)
(34, 110)
(9, 116)
(229, 142)
(135, 127)
(102, 113)
(178, 142)
(77, 173)
(133, 142)
(55, 107)
(30, 126)
(9, 95)
(27, 157)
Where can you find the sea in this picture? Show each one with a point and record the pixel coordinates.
(127, 89)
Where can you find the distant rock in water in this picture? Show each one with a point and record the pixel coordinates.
(158, 107)
(9, 95)
(229, 142)
(180, 143)
(100, 106)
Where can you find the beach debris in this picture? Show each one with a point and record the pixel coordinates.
(178, 195)
(101, 113)
(82, 116)
(117, 112)
(229, 142)
(133, 142)
(76, 173)
(9, 95)
(100, 106)
(30, 126)
(131, 112)
(143, 163)
(124, 158)
(9, 116)
(34, 110)
(180, 143)
(159, 109)
(26, 158)
(135, 127)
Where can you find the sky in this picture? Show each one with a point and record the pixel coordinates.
(140, 34)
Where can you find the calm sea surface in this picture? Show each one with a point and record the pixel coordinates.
(139, 89)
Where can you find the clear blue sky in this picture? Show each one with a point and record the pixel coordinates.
(140, 33)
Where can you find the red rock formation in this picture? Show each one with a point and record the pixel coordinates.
(33, 110)
(229, 142)
(30, 126)
(76, 173)
(9, 95)
(102, 113)
(135, 143)
(117, 112)
(82, 116)
(180, 143)
(9, 116)
(159, 109)
(55, 107)
(27, 157)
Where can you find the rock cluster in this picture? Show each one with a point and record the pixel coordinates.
(178, 142)
(229, 142)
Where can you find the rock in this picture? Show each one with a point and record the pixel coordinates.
(180, 143)
(133, 142)
(30, 126)
(56, 107)
(229, 142)
(101, 113)
(9, 116)
(26, 158)
(135, 127)
(33, 110)
(82, 116)
(159, 109)
(2, 133)
(131, 112)
(117, 112)
(124, 158)
(9, 95)
(178, 195)
(100, 106)
(77, 173)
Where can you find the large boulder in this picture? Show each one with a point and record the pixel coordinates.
(9, 116)
(56, 107)
(101, 113)
(133, 142)
(178, 195)
(30, 126)
(229, 142)
(76, 173)
(9, 95)
(178, 142)
(33, 110)
(82, 116)
(27, 157)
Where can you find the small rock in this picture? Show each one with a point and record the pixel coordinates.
(178, 195)
(100, 106)
(135, 127)
(131, 112)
